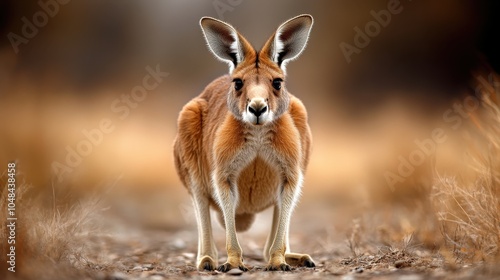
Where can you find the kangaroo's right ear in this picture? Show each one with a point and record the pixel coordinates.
(289, 40)
(224, 41)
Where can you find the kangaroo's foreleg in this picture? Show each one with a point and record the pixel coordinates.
(228, 196)
(207, 252)
(286, 202)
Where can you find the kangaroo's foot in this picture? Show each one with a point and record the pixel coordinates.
(206, 263)
(295, 259)
(232, 263)
(278, 262)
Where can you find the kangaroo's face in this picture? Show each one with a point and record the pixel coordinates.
(257, 94)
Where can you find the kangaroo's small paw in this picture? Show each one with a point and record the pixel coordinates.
(206, 263)
(299, 260)
(227, 266)
(282, 266)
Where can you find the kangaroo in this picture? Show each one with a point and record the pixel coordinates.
(243, 144)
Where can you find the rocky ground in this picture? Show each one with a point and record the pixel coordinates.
(341, 249)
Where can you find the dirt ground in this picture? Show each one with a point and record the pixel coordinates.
(338, 237)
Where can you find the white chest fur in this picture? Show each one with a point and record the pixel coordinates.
(258, 143)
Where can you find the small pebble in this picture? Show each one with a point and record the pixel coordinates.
(116, 276)
(235, 272)
(359, 269)
(434, 264)
(399, 263)
(137, 268)
(410, 277)
(188, 255)
(178, 244)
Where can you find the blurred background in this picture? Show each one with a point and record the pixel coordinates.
(66, 69)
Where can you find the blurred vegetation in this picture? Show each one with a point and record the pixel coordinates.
(92, 52)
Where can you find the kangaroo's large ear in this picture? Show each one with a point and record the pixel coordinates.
(289, 40)
(224, 41)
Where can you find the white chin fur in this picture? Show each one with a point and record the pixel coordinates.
(265, 118)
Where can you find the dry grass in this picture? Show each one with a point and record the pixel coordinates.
(455, 219)
(470, 219)
(468, 206)
(371, 254)
(51, 233)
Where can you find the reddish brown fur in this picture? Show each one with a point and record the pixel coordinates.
(208, 115)
(224, 160)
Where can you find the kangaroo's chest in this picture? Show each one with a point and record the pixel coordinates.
(258, 143)
(258, 181)
(258, 185)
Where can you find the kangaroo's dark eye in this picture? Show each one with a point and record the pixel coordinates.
(277, 83)
(238, 84)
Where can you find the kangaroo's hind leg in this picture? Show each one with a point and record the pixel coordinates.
(187, 151)
(293, 259)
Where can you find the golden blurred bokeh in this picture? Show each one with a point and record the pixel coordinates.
(90, 92)
(65, 80)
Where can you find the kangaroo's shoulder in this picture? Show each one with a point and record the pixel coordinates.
(298, 111)
(196, 110)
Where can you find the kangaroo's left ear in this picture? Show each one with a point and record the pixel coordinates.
(225, 42)
(289, 40)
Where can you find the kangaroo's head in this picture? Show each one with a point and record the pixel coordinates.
(257, 94)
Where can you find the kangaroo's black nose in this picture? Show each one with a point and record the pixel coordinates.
(257, 110)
